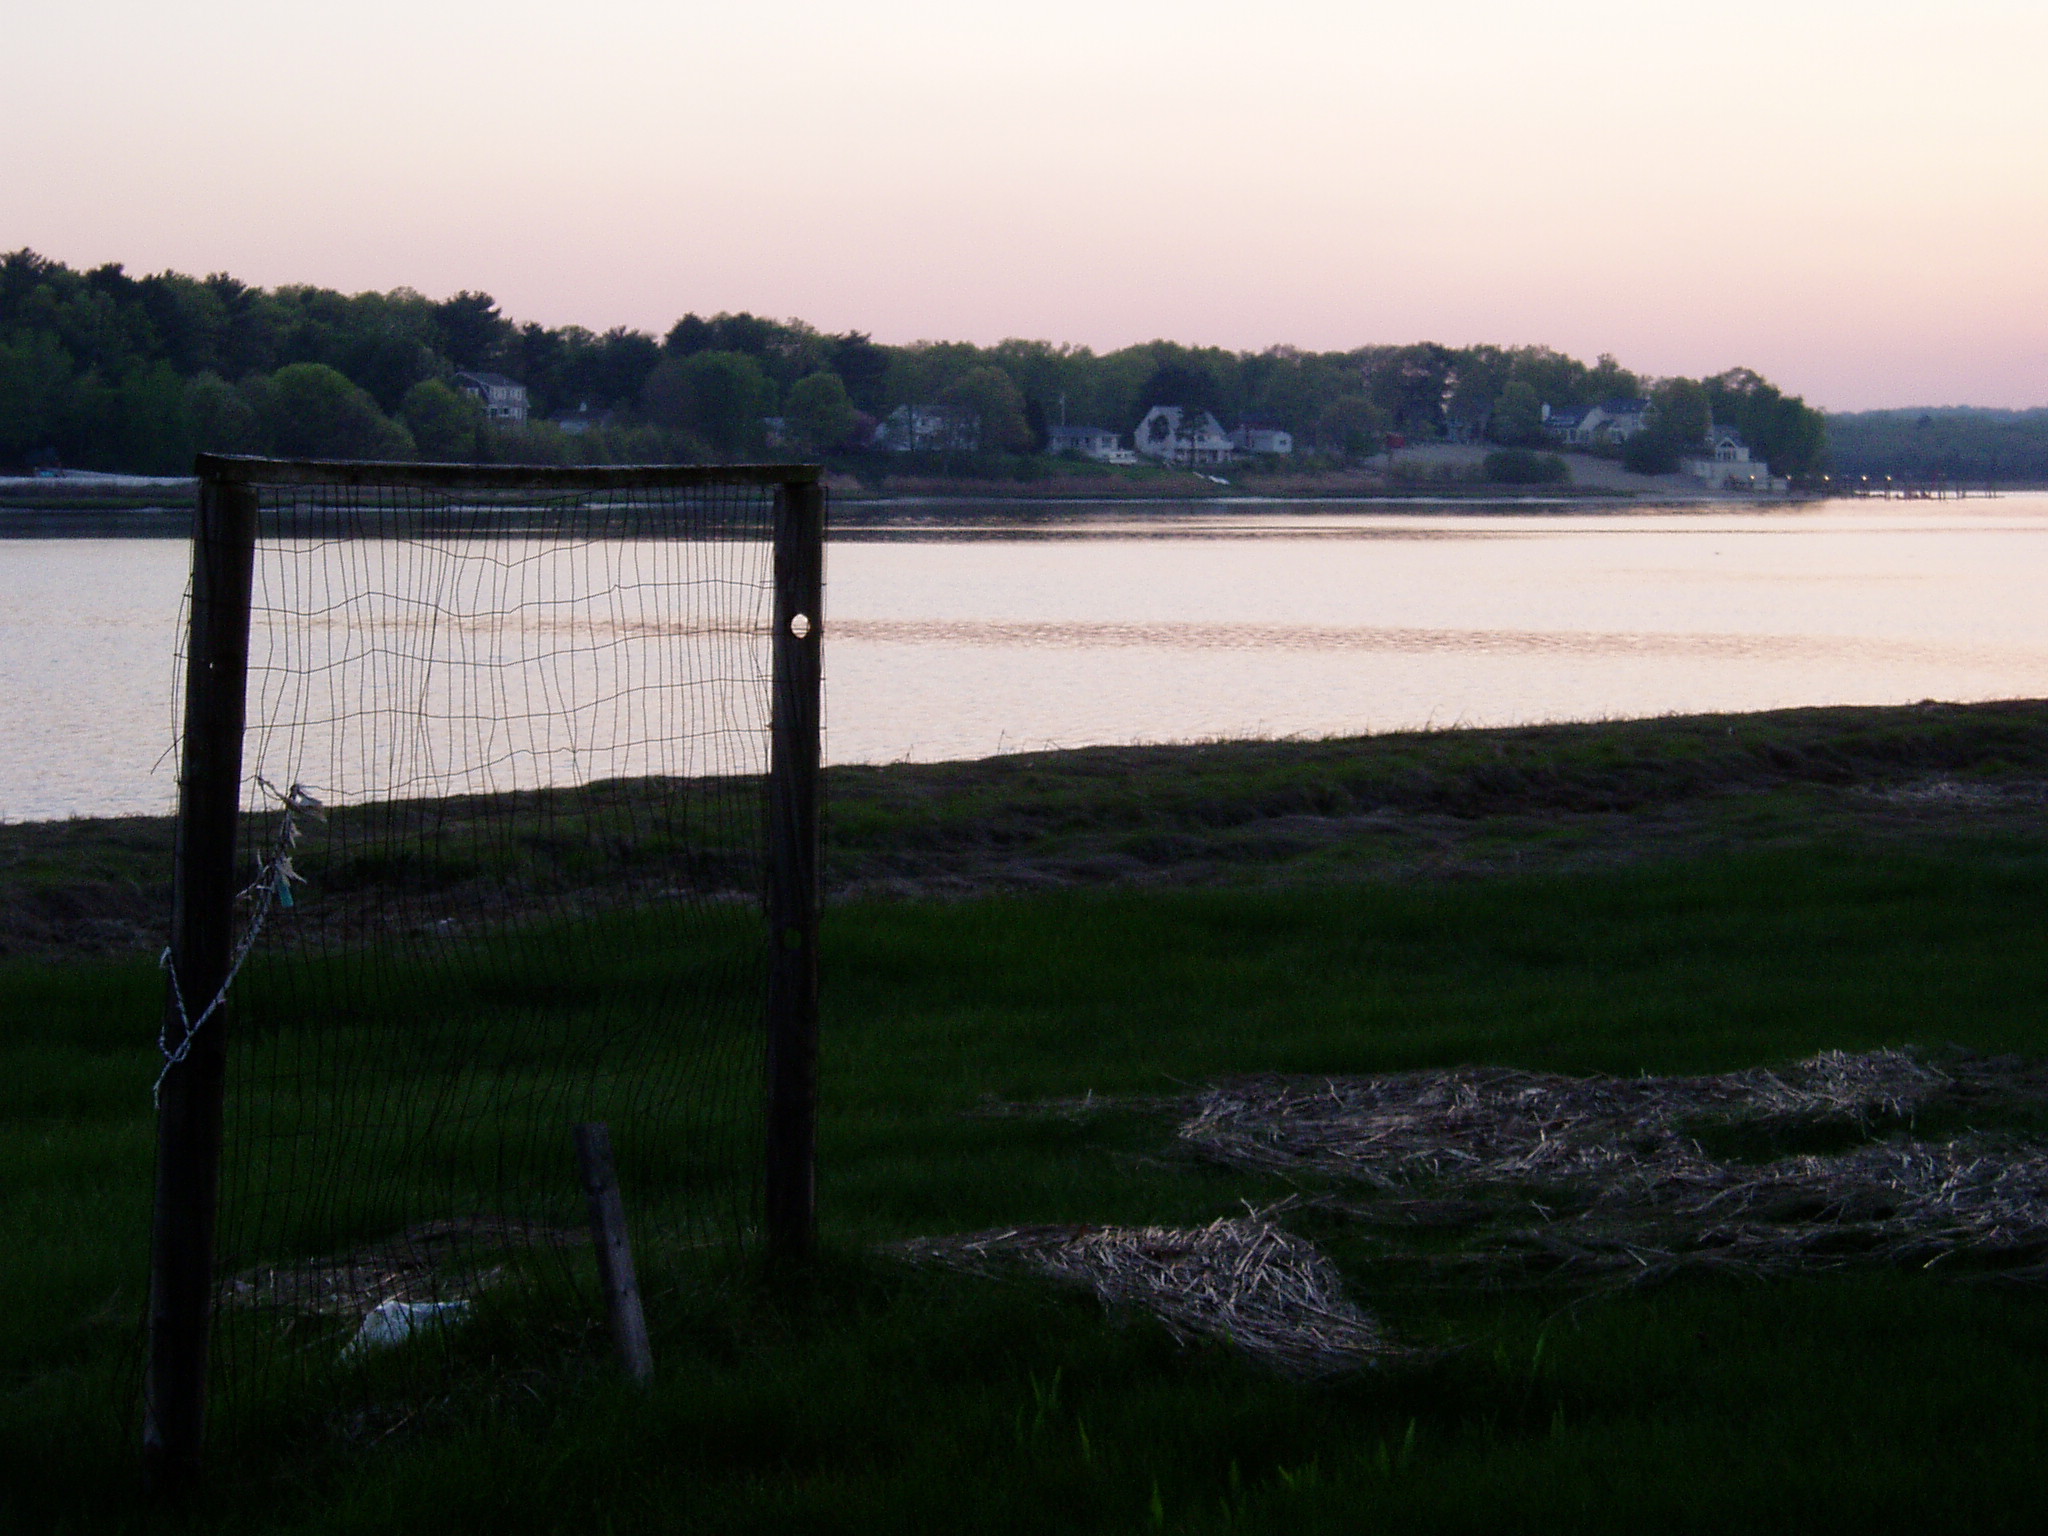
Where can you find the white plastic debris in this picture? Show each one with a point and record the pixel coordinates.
(393, 1322)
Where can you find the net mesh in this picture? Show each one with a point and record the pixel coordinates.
(503, 826)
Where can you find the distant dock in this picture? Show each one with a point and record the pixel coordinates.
(1890, 489)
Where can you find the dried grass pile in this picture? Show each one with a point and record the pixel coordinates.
(1621, 1185)
(1498, 1126)
(1244, 1281)
(1975, 1201)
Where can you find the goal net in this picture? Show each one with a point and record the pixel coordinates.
(521, 836)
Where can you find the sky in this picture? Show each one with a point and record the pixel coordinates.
(1850, 196)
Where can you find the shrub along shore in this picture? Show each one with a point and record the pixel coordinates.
(1691, 895)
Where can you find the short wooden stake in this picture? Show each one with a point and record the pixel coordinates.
(614, 1250)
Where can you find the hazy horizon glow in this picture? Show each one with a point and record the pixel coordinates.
(1850, 198)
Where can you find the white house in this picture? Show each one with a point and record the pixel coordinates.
(503, 399)
(1174, 436)
(927, 429)
(1097, 443)
(1611, 421)
(1261, 437)
(1723, 463)
(1616, 420)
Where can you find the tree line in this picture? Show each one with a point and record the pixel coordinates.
(1957, 445)
(103, 370)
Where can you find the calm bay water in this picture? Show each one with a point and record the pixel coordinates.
(969, 631)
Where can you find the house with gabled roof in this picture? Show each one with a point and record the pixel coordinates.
(1611, 421)
(503, 399)
(1616, 421)
(1723, 463)
(1174, 434)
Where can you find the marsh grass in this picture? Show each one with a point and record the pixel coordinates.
(868, 1395)
(1402, 806)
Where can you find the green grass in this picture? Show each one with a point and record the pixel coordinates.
(867, 1397)
(1243, 812)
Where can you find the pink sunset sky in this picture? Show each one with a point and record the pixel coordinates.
(1850, 196)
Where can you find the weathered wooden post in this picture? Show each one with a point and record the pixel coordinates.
(191, 1094)
(614, 1251)
(793, 815)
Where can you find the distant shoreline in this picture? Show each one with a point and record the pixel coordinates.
(855, 514)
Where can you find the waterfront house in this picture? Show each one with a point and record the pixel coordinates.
(927, 429)
(1722, 463)
(1097, 443)
(1616, 421)
(1173, 435)
(1611, 421)
(1562, 423)
(503, 399)
(1261, 437)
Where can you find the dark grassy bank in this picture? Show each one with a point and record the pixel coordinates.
(1400, 806)
(1789, 916)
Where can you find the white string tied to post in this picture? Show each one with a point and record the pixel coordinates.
(271, 888)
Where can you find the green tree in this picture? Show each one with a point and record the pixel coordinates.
(1352, 426)
(1183, 383)
(1783, 430)
(1412, 385)
(1478, 376)
(1684, 413)
(152, 427)
(1682, 419)
(470, 330)
(528, 442)
(1608, 380)
(1558, 380)
(991, 398)
(223, 420)
(1518, 415)
(35, 392)
(309, 410)
(445, 423)
(864, 368)
(719, 398)
(820, 411)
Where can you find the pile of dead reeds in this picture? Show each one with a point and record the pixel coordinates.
(1495, 1125)
(1620, 1185)
(1541, 1177)
(1244, 1281)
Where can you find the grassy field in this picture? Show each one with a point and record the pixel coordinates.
(1665, 896)
(1413, 805)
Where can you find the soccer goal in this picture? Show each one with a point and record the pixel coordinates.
(497, 817)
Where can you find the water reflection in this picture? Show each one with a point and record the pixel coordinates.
(959, 631)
